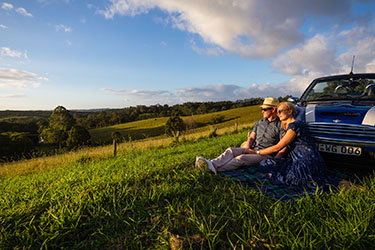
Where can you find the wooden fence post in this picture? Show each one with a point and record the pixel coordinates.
(114, 147)
(116, 136)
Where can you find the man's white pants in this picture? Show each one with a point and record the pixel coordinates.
(233, 158)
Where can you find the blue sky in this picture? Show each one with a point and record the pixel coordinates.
(85, 54)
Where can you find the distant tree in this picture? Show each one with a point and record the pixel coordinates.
(22, 144)
(174, 125)
(5, 147)
(77, 136)
(202, 109)
(54, 136)
(14, 145)
(63, 131)
(61, 119)
(42, 124)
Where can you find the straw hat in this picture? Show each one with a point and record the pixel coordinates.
(270, 102)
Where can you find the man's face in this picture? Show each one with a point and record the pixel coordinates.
(267, 112)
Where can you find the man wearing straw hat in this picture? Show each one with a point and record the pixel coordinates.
(266, 132)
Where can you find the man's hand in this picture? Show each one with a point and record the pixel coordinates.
(249, 151)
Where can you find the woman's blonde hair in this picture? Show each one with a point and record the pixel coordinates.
(289, 106)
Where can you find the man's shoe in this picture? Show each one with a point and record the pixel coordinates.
(211, 166)
(200, 163)
(204, 164)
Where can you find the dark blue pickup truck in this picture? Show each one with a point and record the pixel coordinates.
(340, 113)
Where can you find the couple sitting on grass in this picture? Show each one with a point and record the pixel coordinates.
(279, 145)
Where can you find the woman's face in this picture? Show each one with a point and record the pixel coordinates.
(283, 113)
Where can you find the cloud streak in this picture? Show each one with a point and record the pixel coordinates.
(62, 27)
(20, 10)
(7, 52)
(8, 96)
(23, 12)
(217, 92)
(7, 6)
(13, 78)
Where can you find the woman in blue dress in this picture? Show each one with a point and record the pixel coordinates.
(304, 165)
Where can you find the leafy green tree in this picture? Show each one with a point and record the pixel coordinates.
(174, 125)
(22, 144)
(77, 136)
(202, 109)
(63, 131)
(61, 119)
(5, 147)
(14, 145)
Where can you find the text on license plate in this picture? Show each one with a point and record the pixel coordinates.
(337, 149)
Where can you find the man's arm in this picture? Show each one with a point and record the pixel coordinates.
(250, 140)
(249, 143)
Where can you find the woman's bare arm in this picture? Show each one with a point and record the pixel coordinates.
(288, 138)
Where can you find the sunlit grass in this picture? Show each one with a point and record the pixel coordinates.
(152, 198)
(244, 117)
(98, 153)
(155, 126)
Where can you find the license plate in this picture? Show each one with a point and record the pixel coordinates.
(338, 149)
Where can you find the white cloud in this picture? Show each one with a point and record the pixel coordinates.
(218, 92)
(20, 10)
(2, 26)
(7, 52)
(13, 78)
(251, 28)
(68, 43)
(321, 55)
(329, 54)
(314, 55)
(4, 51)
(5, 96)
(23, 12)
(61, 27)
(7, 6)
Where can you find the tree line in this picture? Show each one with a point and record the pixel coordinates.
(141, 112)
(59, 131)
(63, 129)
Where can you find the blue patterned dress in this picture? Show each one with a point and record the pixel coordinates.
(304, 165)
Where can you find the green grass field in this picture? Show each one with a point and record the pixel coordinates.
(155, 127)
(153, 198)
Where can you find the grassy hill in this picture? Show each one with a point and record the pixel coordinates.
(153, 198)
(155, 126)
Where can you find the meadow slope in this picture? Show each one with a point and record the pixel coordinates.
(154, 127)
(153, 198)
